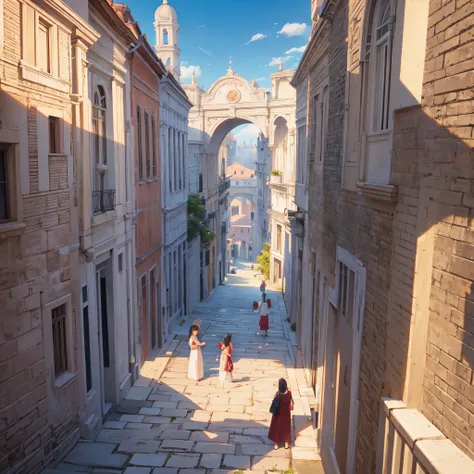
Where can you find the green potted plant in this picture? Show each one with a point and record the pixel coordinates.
(275, 176)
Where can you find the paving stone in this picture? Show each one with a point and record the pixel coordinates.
(159, 397)
(207, 436)
(149, 411)
(238, 462)
(95, 454)
(239, 439)
(174, 412)
(256, 432)
(165, 404)
(211, 461)
(115, 425)
(269, 463)
(214, 448)
(137, 470)
(132, 418)
(138, 393)
(157, 420)
(164, 470)
(177, 444)
(176, 434)
(195, 425)
(133, 445)
(139, 426)
(305, 454)
(153, 460)
(117, 436)
(192, 471)
(183, 461)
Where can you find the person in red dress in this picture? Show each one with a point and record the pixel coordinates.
(263, 323)
(280, 426)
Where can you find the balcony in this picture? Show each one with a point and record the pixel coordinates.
(103, 201)
(224, 185)
(409, 443)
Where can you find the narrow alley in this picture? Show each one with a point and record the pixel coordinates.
(168, 425)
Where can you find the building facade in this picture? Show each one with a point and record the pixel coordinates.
(383, 229)
(282, 184)
(41, 357)
(146, 70)
(174, 110)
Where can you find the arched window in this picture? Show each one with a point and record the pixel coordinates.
(153, 143)
(379, 49)
(147, 144)
(165, 36)
(99, 108)
(139, 142)
(168, 62)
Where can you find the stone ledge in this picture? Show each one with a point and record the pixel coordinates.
(378, 192)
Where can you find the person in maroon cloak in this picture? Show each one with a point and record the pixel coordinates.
(280, 426)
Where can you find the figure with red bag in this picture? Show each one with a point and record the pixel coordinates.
(264, 315)
(226, 366)
(280, 426)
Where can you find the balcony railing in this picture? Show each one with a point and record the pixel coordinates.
(103, 201)
(408, 443)
(223, 187)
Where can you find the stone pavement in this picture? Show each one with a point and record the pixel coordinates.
(168, 425)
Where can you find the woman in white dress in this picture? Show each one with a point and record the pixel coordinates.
(196, 364)
(226, 366)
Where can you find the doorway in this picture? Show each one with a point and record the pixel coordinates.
(341, 363)
(104, 289)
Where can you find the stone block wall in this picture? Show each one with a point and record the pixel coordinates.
(38, 418)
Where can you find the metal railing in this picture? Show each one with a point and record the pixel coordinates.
(103, 201)
(409, 444)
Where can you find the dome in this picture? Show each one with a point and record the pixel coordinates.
(165, 12)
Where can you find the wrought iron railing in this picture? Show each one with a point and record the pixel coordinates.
(103, 201)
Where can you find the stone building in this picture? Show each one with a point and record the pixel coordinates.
(41, 357)
(146, 70)
(282, 183)
(174, 110)
(262, 172)
(384, 227)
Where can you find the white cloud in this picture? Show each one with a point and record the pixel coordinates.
(247, 133)
(207, 53)
(257, 37)
(280, 60)
(261, 79)
(293, 29)
(187, 71)
(296, 50)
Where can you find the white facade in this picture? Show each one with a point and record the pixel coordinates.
(106, 232)
(167, 38)
(174, 109)
(261, 228)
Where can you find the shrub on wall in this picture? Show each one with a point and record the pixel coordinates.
(196, 215)
(264, 261)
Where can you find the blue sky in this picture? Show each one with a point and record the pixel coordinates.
(211, 31)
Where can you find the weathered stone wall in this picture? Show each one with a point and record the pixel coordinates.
(38, 264)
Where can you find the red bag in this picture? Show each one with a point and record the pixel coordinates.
(229, 365)
(219, 346)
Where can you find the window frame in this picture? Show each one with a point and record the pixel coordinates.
(153, 144)
(100, 139)
(39, 52)
(139, 142)
(65, 377)
(55, 123)
(147, 144)
(13, 190)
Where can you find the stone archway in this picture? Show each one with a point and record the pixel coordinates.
(232, 101)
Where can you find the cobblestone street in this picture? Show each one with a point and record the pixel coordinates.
(168, 425)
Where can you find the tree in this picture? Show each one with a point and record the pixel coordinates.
(264, 261)
(196, 214)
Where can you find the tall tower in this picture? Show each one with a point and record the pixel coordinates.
(167, 28)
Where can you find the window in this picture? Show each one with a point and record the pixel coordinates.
(252, 215)
(170, 158)
(4, 201)
(147, 144)
(241, 230)
(99, 107)
(301, 158)
(168, 62)
(59, 322)
(54, 143)
(379, 50)
(87, 341)
(43, 60)
(153, 144)
(235, 210)
(323, 122)
(278, 238)
(200, 183)
(165, 36)
(237, 183)
(314, 127)
(139, 142)
(241, 173)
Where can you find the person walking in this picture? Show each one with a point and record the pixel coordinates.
(263, 323)
(226, 366)
(280, 426)
(196, 364)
